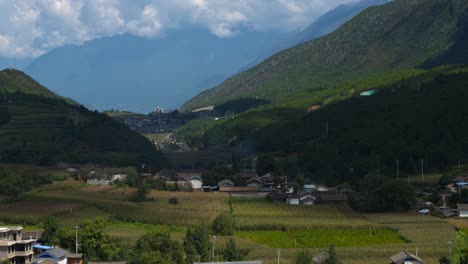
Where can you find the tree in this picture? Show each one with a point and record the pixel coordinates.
(157, 248)
(332, 257)
(95, 243)
(52, 231)
(232, 253)
(197, 243)
(445, 260)
(303, 257)
(140, 194)
(223, 225)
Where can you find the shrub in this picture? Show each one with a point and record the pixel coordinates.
(173, 200)
(223, 225)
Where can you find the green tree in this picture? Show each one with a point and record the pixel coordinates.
(445, 260)
(189, 247)
(332, 257)
(303, 257)
(95, 243)
(197, 243)
(51, 231)
(232, 252)
(157, 248)
(140, 194)
(223, 225)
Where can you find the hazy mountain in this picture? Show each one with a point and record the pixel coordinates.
(129, 72)
(398, 35)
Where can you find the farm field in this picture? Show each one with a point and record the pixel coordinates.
(193, 208)
(262, 226)
(323, 237)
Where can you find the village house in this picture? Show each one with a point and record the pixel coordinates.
(58, 255)
(446, 212)
(13, 247)
(301, 198)
(196, 183)
(255, 182)
(405, 258)
(225, 183)
(73, 258)
(462, 210)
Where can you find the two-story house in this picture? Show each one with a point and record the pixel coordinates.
(13, 247)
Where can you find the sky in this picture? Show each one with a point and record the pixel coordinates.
(30, 28)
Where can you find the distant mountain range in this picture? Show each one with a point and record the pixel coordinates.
(398, 35)
(40, 127)
(138, 74)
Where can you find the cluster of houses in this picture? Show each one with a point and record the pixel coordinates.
(269, 186)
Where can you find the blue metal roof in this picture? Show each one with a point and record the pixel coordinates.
(368, 93)
(42, 247)
(462, 183)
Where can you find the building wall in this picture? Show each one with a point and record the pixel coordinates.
(463, 213)
(294, 201)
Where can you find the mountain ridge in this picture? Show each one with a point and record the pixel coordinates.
(397, 35)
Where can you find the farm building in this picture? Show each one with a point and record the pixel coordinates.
(58, 255)
(225, 183)
(447, 212)
(304, 198)
(309, 188)
(405, 258)
(255, 182)
(368, 93)
(74, 258)
(196, 182)
(462, 210)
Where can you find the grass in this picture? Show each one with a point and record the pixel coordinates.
(193, 208)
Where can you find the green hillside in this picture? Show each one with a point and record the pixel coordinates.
(399, 35)
(14, 81)
(39, 128)
(416, 118)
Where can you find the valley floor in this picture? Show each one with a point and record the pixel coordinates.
(262, 226)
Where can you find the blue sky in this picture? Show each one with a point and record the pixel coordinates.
(29, 28)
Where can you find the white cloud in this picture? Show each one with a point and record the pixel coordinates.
(28, 28)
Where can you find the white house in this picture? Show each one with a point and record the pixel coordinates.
(462, 210)
(196, 182)
(304, 198)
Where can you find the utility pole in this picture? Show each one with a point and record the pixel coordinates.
(76, 239)
(422, 170)
(212, 255)
(397, 169)
(279, 252)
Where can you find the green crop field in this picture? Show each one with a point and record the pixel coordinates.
(322, 237)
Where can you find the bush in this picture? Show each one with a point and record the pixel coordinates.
(223, 225)
(173, 200)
